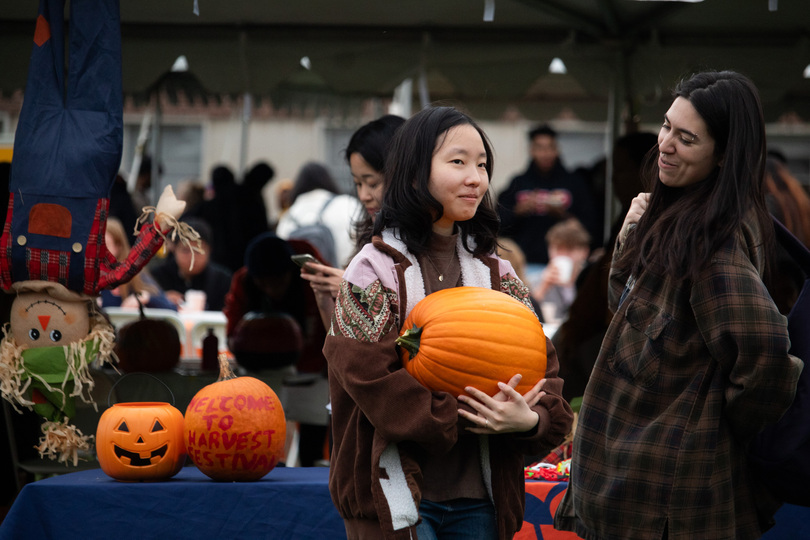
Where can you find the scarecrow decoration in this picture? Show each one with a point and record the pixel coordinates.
(67, 151)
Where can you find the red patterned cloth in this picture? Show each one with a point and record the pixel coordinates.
(97, 269)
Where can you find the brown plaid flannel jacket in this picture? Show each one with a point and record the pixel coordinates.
(688, 372)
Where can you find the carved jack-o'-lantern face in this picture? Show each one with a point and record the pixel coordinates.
(39, 320)
(141, 441)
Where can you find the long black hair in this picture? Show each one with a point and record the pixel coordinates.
(683, 227)
(372, 141)
(407, 202)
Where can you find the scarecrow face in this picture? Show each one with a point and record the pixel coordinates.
(39, 320)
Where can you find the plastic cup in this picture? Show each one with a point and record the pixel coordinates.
(565, 266)
(195, 300)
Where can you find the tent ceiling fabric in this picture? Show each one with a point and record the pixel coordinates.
(364, 48)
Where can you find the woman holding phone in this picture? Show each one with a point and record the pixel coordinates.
(366, 157)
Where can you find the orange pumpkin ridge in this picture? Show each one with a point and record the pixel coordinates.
(472, 336)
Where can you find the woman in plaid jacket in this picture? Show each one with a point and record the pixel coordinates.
(695, 361)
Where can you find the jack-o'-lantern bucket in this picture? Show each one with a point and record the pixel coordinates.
(141, 441)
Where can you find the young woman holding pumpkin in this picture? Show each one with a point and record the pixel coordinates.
(405, 458)
(695, 361)
(365, 154)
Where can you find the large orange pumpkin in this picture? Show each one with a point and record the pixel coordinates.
(141, 441)
(235, 428)
(472, 336)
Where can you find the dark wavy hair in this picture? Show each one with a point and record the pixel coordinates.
(372, 141)
(407, 203)
(683, 228)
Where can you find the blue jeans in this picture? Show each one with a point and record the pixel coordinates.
(461, 519)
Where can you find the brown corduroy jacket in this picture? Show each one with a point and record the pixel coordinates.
(384, 420)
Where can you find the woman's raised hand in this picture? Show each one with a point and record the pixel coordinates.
(637, 209)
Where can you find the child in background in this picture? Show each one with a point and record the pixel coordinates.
(568, 249)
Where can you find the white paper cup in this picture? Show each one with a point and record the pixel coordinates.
(565, 266)
(195, 300)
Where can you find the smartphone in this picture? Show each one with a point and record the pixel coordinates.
(303, 259)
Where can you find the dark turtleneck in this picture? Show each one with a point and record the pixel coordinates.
(440, 259)
(456, 474)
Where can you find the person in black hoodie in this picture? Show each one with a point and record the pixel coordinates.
(541, 197)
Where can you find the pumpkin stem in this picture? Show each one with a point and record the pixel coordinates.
(409, 340)
(225, 371)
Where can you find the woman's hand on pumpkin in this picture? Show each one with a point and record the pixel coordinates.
(507, 413)
(323, 278)
(513, 382)
(533, 396)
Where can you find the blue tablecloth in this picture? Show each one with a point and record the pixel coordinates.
(792, 523)
(288, 503)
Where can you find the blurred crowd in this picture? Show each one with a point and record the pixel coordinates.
(278, 312)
